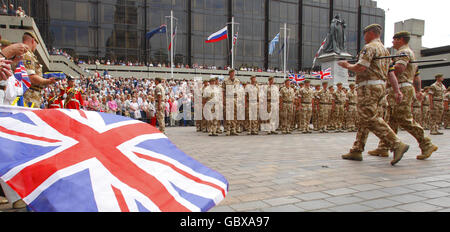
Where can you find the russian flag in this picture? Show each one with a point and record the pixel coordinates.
(218, 36)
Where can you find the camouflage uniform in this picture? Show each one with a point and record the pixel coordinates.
(240, 107)
(204, 123)
(299, 112)
(33, 96)
(324, 98)
(253, 108)
(426, 111)
(401, 114)
(316, 110)
(287, 96)
(230, 120)
(160, 107)
(213, 100)
(447, 111)
(417, 111)
(272, 108)
(339, 98)
(352, 112)
(371, 90)
(437, 95)
(306, 96)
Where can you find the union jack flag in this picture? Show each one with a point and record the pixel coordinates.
(296, 77)
(323, 75)
(70, 160)
(22, 78)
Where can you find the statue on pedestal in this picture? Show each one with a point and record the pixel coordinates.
(336, 37)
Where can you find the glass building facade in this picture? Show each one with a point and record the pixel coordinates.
(115, 29)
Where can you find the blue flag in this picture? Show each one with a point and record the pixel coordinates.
(160, 30)
(273, 43)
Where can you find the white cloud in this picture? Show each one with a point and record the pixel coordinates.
(435, 13)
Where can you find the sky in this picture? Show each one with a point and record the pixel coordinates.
(436, 14)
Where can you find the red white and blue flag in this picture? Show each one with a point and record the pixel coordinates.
(70, 160)
(22, 78)
(323, 75)
(218, 36)
(296, 77)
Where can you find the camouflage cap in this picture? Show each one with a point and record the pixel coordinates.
(30, 33)
(352, 85)
(325, 83)
(307, 81)
(439, 75)
(402, 34)
(376, 27)
(338, 84)
(231, 70)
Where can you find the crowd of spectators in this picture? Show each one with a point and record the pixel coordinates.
(11, 11)
(131, 97)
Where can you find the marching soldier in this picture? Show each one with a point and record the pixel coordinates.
(426, 109)
(370, 76)
(400, 112)
(324, 100)
(316, 108)
(204, 124)
(417, 110)
(287, 95)
(331, 113)
(351, 109)
(229, 88)
(306, 96)
(208, 95)
(299, 113)
(253, 107)
(32, 97)
(446, 109)
(272, 109)
(160, 95)
(437, 104)
(339, 98)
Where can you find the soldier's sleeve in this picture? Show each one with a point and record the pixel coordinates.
(29, 64)
(403, 60)
(367, 55)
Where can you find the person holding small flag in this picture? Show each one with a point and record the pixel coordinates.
(73, 99)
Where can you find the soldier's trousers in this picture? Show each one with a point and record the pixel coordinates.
(351, 119)
(426, 117)
(324, 116)
(402, 116)
(32, 98)
(369, 98)
(300, 116)
(447, 119)
(231, 125)
(287, 115)
(160, 118)
(316, 119)
(417, 115)
(339, 116)
(198, 125)
(307, 114)
(436, 115)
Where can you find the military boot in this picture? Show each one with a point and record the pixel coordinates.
(426, 153)
(399, 152)
(379, 152)
(357, 156)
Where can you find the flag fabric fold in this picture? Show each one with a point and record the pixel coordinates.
(218, 36)
(160, 30)
(273, 43)
(82, 161)
(323, 75)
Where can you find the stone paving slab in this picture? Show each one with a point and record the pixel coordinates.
(298, 173)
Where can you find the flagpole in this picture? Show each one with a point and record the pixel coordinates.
(171, 42)
(285, 50)
(232, 42)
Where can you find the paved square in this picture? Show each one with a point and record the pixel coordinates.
(301, 173)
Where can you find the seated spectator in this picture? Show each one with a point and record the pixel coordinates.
(11, 10)
(4, 10)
